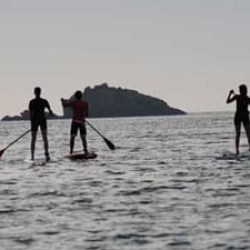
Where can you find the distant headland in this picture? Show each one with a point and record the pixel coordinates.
(106, 101)
(25, 115)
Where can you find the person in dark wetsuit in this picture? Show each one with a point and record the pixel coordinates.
(37, 108)
(241, 114)
(80, 112)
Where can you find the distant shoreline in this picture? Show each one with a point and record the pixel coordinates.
(110, 102)
(11, 118)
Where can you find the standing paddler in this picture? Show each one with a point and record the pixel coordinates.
(80, 112)
(241, 114)
(38, 119)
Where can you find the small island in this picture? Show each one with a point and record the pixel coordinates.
(106, 101)
(25, 115)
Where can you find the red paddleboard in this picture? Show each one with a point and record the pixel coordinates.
(82, 156)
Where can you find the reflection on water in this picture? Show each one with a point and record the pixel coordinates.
(163, 188)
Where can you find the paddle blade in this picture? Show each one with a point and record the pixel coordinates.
(1, 152)
(110, 144)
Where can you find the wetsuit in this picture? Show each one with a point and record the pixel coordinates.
(37, 114)
(80, 111)
(241, 114)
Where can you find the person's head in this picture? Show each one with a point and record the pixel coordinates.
(37, 91)
(78, 95)
(243, 89)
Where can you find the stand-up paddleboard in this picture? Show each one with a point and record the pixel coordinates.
(82, 156)
(232, 156)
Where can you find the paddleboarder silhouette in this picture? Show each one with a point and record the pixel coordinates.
(241, 114)
(80, 112)
(38, 119)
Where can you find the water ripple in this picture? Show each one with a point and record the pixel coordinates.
(166, 186)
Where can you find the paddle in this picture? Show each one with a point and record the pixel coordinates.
(108, 142)
(21, 136)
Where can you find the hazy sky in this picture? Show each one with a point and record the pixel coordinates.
(188, 52)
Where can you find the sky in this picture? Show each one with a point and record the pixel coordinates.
(189, 53)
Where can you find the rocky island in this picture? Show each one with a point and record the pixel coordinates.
(106, 101)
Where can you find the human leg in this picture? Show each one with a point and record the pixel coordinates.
(83, 134)
(33, 143)
(45, 144)
(34, 129)
(237, 137)
(73, 133)
(247, 130)
(43, 126)
(84, 144)
(72, 143)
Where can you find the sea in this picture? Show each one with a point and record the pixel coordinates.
(168, 185)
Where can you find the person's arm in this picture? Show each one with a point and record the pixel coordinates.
(31, 111)
(231, 96)
(51, 113)
(66, 103)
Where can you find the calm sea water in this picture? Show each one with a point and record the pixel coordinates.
(163, 188)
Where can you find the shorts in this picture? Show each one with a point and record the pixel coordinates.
(238, 119)
(35, 124)
(75, 126)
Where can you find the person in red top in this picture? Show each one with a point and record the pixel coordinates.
(80, 111)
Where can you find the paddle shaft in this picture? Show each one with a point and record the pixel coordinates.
(108, 142)
(95, 129)
(17, 139)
